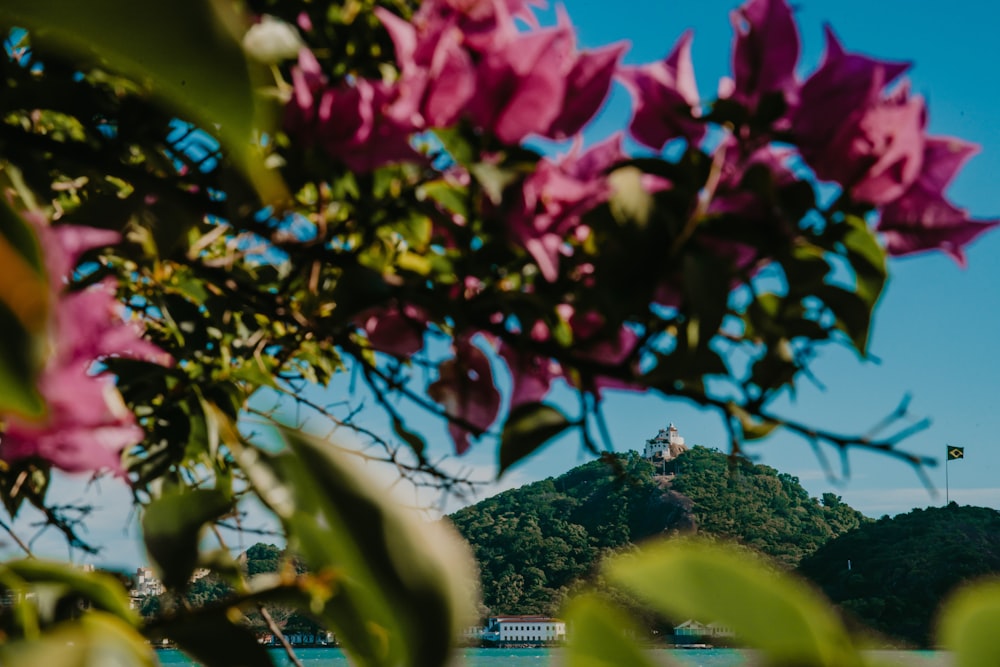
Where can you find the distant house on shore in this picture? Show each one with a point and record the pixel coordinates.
(690, 632)
(524, 630)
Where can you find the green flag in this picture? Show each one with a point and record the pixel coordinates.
(956, 452)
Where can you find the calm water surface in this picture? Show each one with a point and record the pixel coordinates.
(331, 657)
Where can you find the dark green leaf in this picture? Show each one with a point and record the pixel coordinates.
(706, 286)
(172, 526)
(528, 427)
(457, 146)
(23, 479)
(852, 312)
(214, 637)
(187, 52)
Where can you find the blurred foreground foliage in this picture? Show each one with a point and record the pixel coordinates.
(212, 208)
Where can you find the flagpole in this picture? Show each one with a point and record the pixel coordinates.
(947, 460)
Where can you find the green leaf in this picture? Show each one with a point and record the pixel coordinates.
(766, 608)
(600, 635)
(396, 581)
(186, 52)
(172, 527)
(969, 622)
(706, 286)
(23, 479)
(528, 427)
(630, 202)
(493, 179)
(867, 259)
(456, 145)
(95, 640)
(754, 428)
(853, 314)
(214, 637)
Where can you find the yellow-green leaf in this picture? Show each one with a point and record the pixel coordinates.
(104, 591)
(600, 635)
(95, 640)
(712, 583)
(969, 622)
(399, 588)
(24, 308)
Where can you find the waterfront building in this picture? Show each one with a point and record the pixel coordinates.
(524, 630)
(691, 631)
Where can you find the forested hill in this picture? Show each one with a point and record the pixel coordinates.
(901, 569)
(534, 542)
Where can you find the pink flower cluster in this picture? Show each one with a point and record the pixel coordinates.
(88, 424)
(457, 61)
(847, 128)
(467, 61)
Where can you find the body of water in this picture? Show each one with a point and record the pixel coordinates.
(331, 657)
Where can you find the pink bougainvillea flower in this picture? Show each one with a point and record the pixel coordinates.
(466, 391)
(922, 219)
(553, 198)
(588, 77)
(89, 325)
(851, 133)
(87, 425)
(470, 59)
(87, 428)
(531, 374)
(396, 331)
(521, 85)
(843, 86)
(587, 86)
(596, 342)
(765, 52)
(437, 74)
(350, 121)
(886, 149)
(664, 94)
(483, 22)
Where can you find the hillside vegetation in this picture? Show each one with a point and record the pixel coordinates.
(902, 568)
(535, 542)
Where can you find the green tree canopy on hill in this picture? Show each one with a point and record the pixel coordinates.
(535, 542)
(893, 574)
(758, 506)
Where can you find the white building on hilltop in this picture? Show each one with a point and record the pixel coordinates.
(146, 583)
(666, 446)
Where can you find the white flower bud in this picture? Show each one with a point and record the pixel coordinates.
(272, 41)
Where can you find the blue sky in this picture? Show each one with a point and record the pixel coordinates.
(934, 329)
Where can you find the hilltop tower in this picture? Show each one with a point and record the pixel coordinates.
(665, 446)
